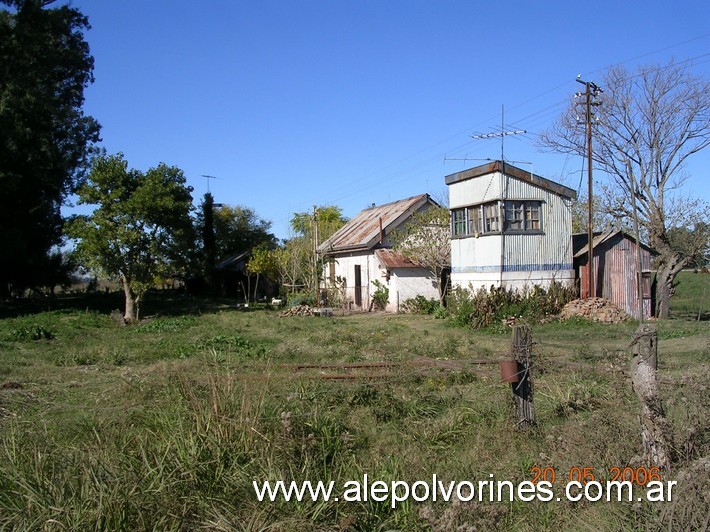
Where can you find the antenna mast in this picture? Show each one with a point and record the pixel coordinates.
(208, 177)
(503, 133)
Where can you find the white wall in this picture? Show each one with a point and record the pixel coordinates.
(369, 271)
(484, 188)
(403, 284)
(515, 260)
(408, 283)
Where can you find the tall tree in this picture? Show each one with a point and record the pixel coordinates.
(326, 218)
(305, 265)
(45, 138)
(650, 123)
(139, 227)
(426, 240)
(264, 261)
(209, 243)
(236, 229)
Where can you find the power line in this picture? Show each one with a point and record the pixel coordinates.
(380, 175)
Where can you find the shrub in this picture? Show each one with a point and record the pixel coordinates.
(420, 305)
(381, 297)
(440, 312)
(482, 308)
(301, 298)
(33, 332)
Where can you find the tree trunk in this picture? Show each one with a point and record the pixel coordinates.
(655, 429)
(667, 272)
(663, 293)
(131, 313)
(669, 265)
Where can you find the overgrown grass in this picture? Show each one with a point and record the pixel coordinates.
(692, 296)
(165, 425)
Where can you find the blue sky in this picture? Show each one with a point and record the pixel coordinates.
(292, 104)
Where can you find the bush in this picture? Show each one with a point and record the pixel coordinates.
(482, 308)
(420, 305)
(381, 297)
(440, 313)
(33, 332)
(301, 298)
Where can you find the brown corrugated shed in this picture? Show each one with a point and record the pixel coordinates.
(615, 273)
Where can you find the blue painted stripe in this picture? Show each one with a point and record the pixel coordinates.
(512, 268)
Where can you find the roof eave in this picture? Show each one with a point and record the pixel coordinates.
(513, 171)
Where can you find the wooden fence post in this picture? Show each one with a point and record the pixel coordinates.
(523, 389)
(655, 430)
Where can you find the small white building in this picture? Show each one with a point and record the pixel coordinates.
(509, 227)
(359, 253)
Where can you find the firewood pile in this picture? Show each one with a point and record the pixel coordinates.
(595, 309)
(297, 310)
(305, 310)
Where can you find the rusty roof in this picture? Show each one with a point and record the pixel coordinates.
(391, 260)
(580, 247)
(512, 171)
(363, 231)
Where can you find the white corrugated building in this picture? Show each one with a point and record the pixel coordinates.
(509, 227)
(359, 253)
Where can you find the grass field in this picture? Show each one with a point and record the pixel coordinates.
(165, 425)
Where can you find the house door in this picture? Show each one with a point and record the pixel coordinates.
(358, 286)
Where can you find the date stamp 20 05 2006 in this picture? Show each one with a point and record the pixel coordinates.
(640, 476)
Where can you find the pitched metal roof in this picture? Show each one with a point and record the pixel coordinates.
(580, 247)
(370, 226)
(512, 171)
(391, 260)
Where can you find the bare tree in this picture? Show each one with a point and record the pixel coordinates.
(601, 219)
(425, 240)
(650, 123)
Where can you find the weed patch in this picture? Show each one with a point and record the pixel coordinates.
(483, 308)
(31, 333)
(163, 325)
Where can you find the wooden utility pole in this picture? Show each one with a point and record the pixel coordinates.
(591, 91)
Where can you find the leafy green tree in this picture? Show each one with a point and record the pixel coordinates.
(45, 138)
(426, 240)
(236, 229)
(264, 261)
(328, 218)
(304, 265)
(209, 242)
(139, 229)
